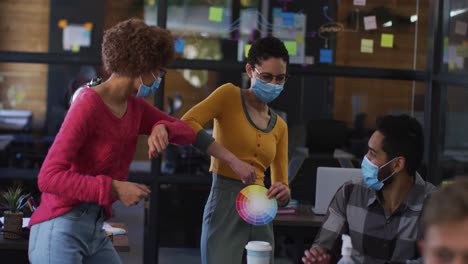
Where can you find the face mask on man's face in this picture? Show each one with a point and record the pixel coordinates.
(370, 174)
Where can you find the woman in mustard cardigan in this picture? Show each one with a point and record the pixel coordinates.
(248, 138)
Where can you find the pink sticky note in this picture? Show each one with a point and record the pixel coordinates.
(370, 22)
(359, 2)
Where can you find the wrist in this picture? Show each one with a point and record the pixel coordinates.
(231, 160)
(115, 187)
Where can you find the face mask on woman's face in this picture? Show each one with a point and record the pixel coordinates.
(265, 91)
(370, 174)
(145, 90)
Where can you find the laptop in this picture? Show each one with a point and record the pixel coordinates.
(329, 180)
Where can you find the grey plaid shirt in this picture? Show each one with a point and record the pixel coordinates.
(377, 236)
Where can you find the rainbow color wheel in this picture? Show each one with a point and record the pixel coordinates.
(254, 207)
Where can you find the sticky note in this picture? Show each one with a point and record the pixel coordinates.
(179, 45)
(246, 50)
(460, 62)
(291, 46)
(88, 26)
(367, 45)
(326, 55)
(309, 60)
(277, 12)
(300, 38)
(86, 34)
(62, 23)
(359, 2)
(216, 14)
(462, 51)
(288, 19)
(460, 27)
(370, 22)
(75, 48)
(386, 41)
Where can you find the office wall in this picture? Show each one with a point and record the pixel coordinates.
(376, 97)
(24, 26)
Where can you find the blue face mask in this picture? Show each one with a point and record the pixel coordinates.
(370, 173)
(145, 90)
(265, 91)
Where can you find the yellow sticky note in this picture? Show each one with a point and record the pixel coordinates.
(246, 50)
(88, 26)
(291, 46)
(62, 23)
(75, 48)
(387, 41)
(216, 14)
(300, 38)
(367, 45)
(462, 51)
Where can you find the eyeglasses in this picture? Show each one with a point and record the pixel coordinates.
(268, 77)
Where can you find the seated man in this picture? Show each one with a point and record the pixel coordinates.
(380, 212)
(445, 220)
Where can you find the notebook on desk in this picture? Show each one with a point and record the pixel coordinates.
(329, 180)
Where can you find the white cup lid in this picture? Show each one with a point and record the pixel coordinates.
(258, 246)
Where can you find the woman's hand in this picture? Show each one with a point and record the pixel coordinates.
(157, 141)
(129, 193)
(244, 170)
(280, 192)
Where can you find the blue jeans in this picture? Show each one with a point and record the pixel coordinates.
(75, 237)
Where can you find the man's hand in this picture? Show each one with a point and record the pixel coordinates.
(316, 255)
(244, 170)
(280, 192)
(157, 141)
(129, 193)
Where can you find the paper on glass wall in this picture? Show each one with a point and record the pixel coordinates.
(76, 35)
(359, 2)
(216, 14)
(367, 46)
(386, 41)
(370, 22)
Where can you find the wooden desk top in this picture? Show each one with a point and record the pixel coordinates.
(304, 217)
(120, 242)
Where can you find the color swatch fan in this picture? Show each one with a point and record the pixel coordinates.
(254, 206)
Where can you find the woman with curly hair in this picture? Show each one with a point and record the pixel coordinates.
(86, 168)
(249, 137)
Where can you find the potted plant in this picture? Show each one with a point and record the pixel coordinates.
(14, 200)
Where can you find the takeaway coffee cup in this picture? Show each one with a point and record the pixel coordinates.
(258, 252)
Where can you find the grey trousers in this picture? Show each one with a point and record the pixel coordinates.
(224, 233)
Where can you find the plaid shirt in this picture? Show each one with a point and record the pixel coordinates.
(377, 236)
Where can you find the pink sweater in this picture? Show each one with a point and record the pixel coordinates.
(93, 147)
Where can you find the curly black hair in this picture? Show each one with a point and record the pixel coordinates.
(264, 48)
(132, 47)
(403, 136)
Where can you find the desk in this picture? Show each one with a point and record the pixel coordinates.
(304, 218)
(301, 228)
(16, 251)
